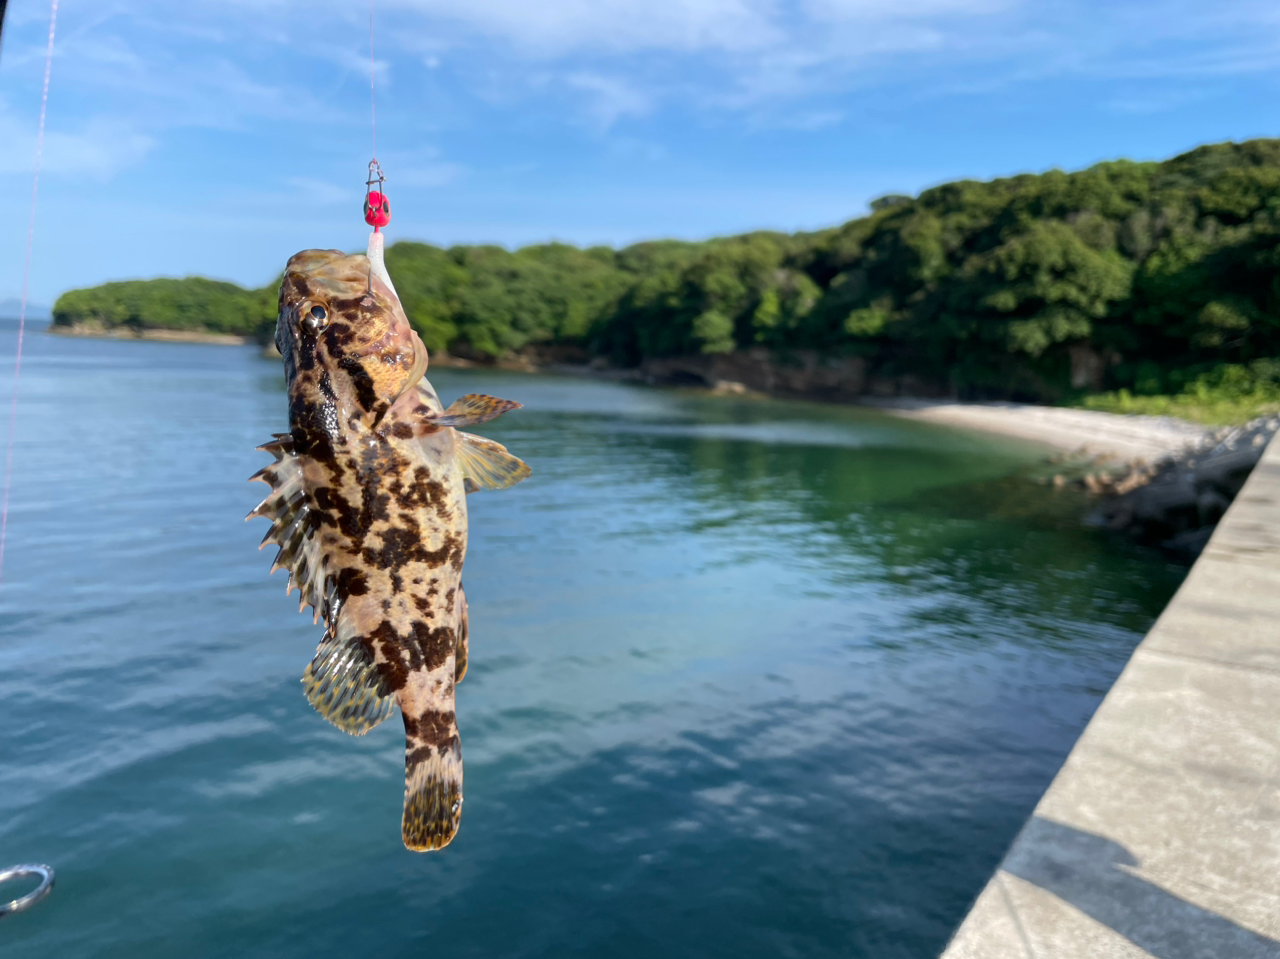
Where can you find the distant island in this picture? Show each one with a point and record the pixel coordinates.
(11, 309)
(1126, 279)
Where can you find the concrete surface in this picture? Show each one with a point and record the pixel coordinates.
(1160, 835)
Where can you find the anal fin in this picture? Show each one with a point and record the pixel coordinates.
(344, 686)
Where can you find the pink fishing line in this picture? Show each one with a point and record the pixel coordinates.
(26, 285)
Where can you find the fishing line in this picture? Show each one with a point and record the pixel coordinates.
(377, 209)
(26, 285)
(373, 106)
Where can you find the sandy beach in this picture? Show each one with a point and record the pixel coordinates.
(1087, 432)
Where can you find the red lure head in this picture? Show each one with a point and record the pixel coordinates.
(377, 211)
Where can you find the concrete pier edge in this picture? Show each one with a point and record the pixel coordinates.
(1160, 835)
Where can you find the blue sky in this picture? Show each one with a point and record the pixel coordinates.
(218, 137)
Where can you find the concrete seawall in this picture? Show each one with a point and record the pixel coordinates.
(1160, 835)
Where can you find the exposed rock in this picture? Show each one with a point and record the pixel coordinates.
(1087, 367)
(796, 372)
(97, 330)
(1173, 501)
(1211, 506)
(1189, 545)
(1176, 502)
(1166, 509)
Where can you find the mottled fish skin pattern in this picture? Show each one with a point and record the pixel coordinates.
(380, 496)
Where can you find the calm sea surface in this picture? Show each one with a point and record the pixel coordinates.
(748, 678)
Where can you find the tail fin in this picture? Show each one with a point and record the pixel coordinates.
(432, 795)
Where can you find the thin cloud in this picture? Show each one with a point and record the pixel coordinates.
(428, 175)
(228, 65)
(211, 97)
(610, 98)
(322, 192)
(561, 27)
(96, 149)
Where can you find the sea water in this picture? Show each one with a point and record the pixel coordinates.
(748, 677)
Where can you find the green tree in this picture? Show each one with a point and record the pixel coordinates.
(1160, 273)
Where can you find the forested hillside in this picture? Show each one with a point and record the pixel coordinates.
(194, 304)
(1136, 275)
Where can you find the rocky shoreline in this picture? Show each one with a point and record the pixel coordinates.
(1176, 502)
(98, 331)
(1162, 481)
(1165, 482)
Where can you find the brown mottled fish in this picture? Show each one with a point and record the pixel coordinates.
(369, 510)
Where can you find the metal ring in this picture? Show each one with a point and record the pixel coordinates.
(30, 899)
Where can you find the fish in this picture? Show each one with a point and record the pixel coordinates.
(368, 508)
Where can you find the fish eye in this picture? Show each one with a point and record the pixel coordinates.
(316, 319)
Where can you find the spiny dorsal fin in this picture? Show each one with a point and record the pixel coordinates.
(487, 464)
(472, 410)
(290, 511)
(341, 682)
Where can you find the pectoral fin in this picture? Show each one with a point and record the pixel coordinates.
(472, 409)
(487, 465)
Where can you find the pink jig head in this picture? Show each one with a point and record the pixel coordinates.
(377, 209)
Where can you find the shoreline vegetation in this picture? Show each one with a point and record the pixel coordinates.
(1108, 434)
(1139, 290)
(1147, 287)
(1163, 481)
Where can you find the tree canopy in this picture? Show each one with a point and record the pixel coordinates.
(1124, 275)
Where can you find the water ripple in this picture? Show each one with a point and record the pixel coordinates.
(748, 678)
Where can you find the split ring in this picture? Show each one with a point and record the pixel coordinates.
(30, 899)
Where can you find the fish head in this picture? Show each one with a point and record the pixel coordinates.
(346, 342)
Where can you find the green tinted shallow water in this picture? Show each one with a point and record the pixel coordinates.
(747, 679)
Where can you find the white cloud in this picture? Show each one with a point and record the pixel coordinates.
(560, 26)
(127, 76)
(814, 119)
(426, 174)
(311, 190)
(610, 98)
(1155, 102)
(879, 10)
(97, 149)
(230, 64)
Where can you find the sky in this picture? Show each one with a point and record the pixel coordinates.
(218, 137)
